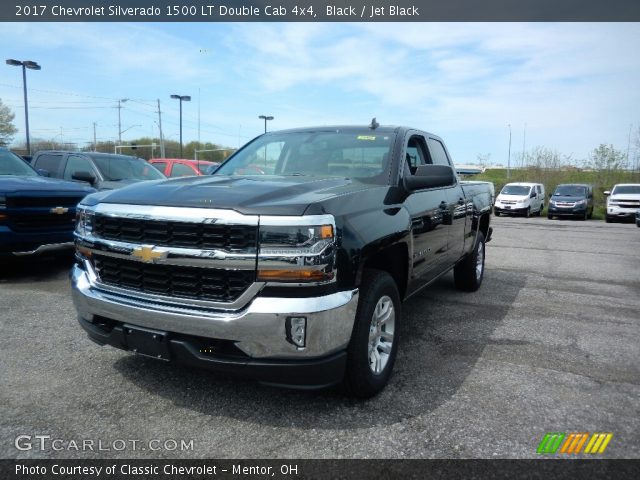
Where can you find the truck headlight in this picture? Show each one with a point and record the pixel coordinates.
(84, 221)
(579, 203)
(297, 253)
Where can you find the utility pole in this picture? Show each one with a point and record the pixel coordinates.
(629, 143)
(524, 141)
(509, 157)
(120, 102)
(199, 117)
(160, 128)
(95, 145)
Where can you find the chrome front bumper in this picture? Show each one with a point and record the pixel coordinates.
(258, 329)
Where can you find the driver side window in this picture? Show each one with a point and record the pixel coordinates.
(76, 163)
(415, 155)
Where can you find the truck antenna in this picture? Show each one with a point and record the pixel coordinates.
(374, 124)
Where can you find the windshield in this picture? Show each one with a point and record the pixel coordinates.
(625, 189)
(11, 164)
(361, 155)
(121, 167)
(570, 191)
(515, 190)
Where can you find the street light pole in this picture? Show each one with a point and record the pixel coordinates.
(509, 157)
(181, 98)
(32, 66)
(265, 118)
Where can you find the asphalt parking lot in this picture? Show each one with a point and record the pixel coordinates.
(550, 343)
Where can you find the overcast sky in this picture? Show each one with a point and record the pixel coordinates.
(574, 85)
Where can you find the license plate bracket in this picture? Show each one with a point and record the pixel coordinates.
(147, 342)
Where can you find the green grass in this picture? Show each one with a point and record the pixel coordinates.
(550, 178)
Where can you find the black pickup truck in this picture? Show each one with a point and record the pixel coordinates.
(290, 263)
(37, 214)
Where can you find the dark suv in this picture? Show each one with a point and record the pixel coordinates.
(571, 200)
(104, 171)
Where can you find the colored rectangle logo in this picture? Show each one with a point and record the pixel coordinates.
(573, 443)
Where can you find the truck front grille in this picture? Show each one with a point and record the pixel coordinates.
(629, 203)
(175, 281)
(231, 238)
(49, 221)
(42, 202)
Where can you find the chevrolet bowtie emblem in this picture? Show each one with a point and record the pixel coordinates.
(147, 255)
(59, 210)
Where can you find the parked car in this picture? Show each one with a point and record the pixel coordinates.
(622, 202)
(520, 199)
(638, 218)
(104, 171)
(571, 200)
(294, 277)
(37, 214)
(180, 167)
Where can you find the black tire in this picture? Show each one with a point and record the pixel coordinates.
(591, 214)
(465, 273)
(497, 213)
(540, 211)
(527, 214)
(607, 219)
(360, 380)
(549, 216)
(585, 216)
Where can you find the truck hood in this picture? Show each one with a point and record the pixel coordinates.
(112, 185)
(625, 196)
(14, 183)
(272, 195)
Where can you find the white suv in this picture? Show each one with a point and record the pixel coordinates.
(520, 198)
(622, 201)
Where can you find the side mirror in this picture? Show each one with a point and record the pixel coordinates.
(533, 195)
(430, 176)
(83, 176)
(607, 193)
(42, 172)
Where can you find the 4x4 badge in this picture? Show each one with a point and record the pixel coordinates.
(147, 255)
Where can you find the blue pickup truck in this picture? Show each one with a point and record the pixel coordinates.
(37, 214)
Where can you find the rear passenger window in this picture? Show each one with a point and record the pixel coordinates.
(438, 154)
(181, 170)
(50, 163)
(160, 166)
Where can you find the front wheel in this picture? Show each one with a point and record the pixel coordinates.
(527, 214)
(607, 219)
(374, 340)
(469, 272)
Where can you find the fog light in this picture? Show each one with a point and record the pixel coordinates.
(297, 330)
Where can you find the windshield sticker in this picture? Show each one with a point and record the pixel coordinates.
(366, 137)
